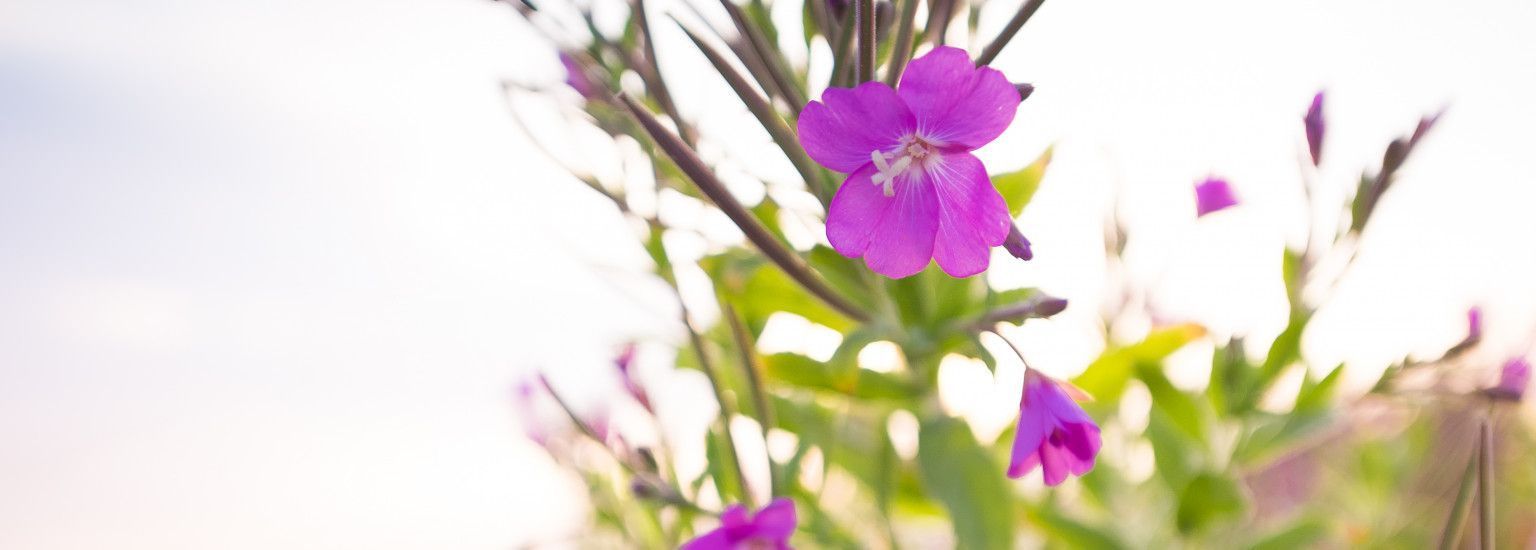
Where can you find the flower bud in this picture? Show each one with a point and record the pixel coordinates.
(1315, 127)
(1017, 245)
(1025, 89)
(1213, 195)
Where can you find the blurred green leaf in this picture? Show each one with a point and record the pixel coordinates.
(1060, 528)
(1290, 271)
(1207, 499)
(1285, 350)
(846, 275)
(802, 371)
(1019, 186)
(758, 289)
(716, 447)
(963, 476)
(1105, 378)
(1176, 456)
(1319, 395)
(1305, 533)
(1182, 409)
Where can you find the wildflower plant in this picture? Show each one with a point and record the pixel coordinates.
(905, 221)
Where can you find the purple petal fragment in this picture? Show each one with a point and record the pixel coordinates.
(1213, 195)
(769, 528)
(1315, 127)
(973, 217)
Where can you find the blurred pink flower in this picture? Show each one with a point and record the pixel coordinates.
(769, 528)
(1212, 195)
(915, 192)
(523, 397)
(1054, 433)
(1474, 325)
(1315, 127)
(1513, 378)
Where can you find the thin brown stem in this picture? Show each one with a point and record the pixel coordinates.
(864, 21)
(901, 52)
(1012, 28)
(705, 181)
(753, 367)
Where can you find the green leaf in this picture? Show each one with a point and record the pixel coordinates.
(1209, 498)
(1302, 534)
(1290, 271)
(1317, 397)
(1060, 528)
(963, 476)
(802, 371)
(1182, 409)
(1019, 186)
(758, 289)
(1105, 378)
(1285, 350)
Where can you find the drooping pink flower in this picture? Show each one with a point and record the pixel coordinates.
(914, 191)
(1054, 433)
(1212, 195)
(625, 363)
(768, 528)
(576, 76)
(1513, 378)
(1315, 126)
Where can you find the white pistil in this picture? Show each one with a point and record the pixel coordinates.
(886, 173)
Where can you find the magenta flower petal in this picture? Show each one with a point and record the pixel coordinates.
(856, 209)
(972, 215)
(903, 240)
(843, 128)
(1213, 195)
(769, 528)
(1054, 433)
(1513, 378)
(955, 101)
(576, 76)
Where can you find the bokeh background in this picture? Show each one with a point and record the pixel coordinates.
(269, 271)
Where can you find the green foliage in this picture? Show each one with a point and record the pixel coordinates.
(1019, 186)
(963, 476)
(1207, 499)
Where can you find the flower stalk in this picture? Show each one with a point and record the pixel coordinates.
(864, 21)
(901, 52)
(1012, 28)
(705, 180)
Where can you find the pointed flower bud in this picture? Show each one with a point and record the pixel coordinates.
(1054, 433)
(625, 363)
(1017, 245)
(1315, 128)
(1474, 324)
(576, 77)
(1025, 90)
(1212, 195)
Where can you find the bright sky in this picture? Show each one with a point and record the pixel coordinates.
(271, 269)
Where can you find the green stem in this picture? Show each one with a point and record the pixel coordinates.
(902, 51)
(1485, 485)
(772, 61)
(708, 366)
(690, 164)
(753, 368)
(1458, 517)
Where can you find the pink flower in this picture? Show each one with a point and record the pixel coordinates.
(769, 528)
(1315, 126)
(523, 397)
(1054, 433)
(1513, 379)
(1212, 195)
(1474, 324)
(914, 190)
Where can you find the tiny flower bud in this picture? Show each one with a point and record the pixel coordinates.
(1474, 324)
(643, 489)
(1213, 195)
(647, 460)
(577, 78)
(1017, 245)
(1025, 89)
(885, 14)
(1315, 127)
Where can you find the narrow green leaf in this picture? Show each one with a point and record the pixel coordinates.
(963, 476)
(1105, 378)
(1208, 499)
(1302, 534)
(1019, 186)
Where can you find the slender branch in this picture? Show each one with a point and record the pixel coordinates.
(766, 116)
(708, 366)
(690, 164)
(902, 51)
(841, 51)
(1458, 517)
(656, 84)
(1485, 485)
(751, 364)
(772, 61)
(864, 21)
(1025, 12)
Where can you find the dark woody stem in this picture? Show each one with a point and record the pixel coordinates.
(1485, 484)
(705, 180)
(841, 54)
(902, 52)
(1025, 12)
(766, 116)
(753, 367)
(655, 83)
(708, 366)
(768, 56)
(864, 21)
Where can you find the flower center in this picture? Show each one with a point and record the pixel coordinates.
(912, 151)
